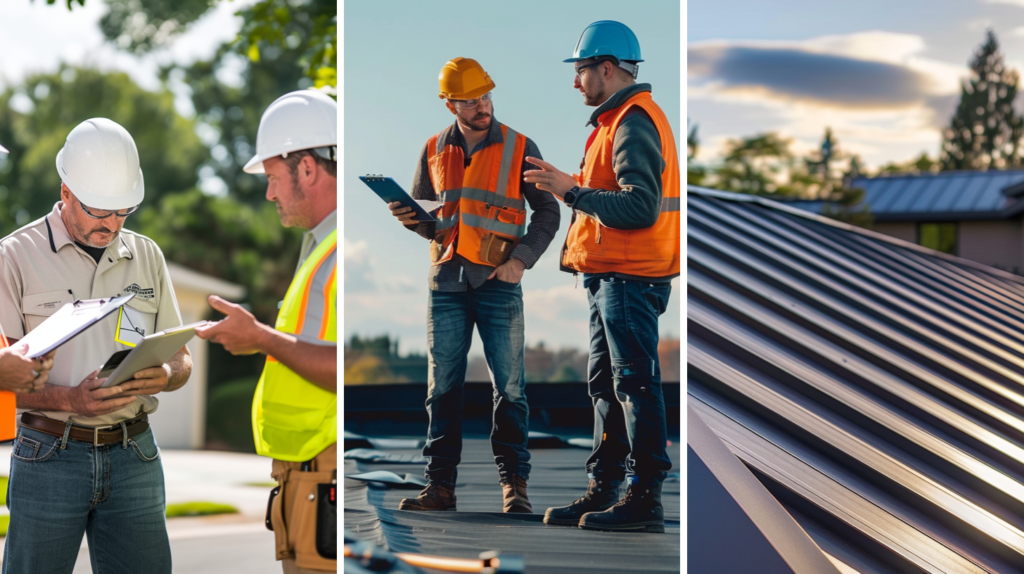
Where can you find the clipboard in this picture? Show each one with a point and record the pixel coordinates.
(388, 190)
(69, 321)
(152, 351)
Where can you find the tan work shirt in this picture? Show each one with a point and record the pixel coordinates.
(42, 269)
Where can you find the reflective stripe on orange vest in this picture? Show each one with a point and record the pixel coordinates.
(483, 214)
(649, 252)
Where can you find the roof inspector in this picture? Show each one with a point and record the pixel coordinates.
(479, 248)
(624, 238)
(85, 460)
(295, 409)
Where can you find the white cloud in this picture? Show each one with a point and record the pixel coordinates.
(358, 266)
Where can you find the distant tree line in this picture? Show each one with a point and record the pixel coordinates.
(983, 133)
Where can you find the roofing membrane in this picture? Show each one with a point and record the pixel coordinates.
(875, 387)
(557, 478)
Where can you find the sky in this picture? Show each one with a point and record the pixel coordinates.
(393, 52)
(884, 75)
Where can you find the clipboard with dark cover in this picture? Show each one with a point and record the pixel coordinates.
(388, 190)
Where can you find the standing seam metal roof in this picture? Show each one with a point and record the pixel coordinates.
(875, 387)
(942, 196)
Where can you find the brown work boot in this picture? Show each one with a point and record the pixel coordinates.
(514, 491)
(435, 496)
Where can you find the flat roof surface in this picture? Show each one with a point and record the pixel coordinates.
(557, 478)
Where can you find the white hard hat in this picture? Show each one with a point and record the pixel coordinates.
(300, 120)
(100, 165)
(3, 149)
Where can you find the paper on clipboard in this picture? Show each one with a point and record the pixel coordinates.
(70, 320)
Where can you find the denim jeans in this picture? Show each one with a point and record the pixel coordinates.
(496, 308)
(114, 494)
(625, 378)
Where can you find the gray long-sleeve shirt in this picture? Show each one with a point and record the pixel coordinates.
(638, 163)
(458, 272)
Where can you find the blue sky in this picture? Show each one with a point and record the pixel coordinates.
(883, 74)
(393, 52)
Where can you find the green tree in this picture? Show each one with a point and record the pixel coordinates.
(921, 164)
(984, 132)
(695, 173)
(825, 179)
(756, 165)
(139, 26)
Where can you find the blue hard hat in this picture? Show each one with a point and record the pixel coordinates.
(607, 38)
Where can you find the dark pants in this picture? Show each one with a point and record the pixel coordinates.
(630, 431)
(496, 308)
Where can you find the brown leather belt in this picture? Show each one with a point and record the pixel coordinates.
(97, 436)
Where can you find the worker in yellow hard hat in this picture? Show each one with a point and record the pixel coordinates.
(480, 246)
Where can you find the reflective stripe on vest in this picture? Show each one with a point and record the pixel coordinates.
(479, 202)
(649, 252)
(292, 418)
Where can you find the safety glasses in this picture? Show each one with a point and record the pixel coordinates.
(470, 104)
(105, 213)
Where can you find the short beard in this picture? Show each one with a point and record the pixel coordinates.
(472, 127)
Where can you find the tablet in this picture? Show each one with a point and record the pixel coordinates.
(388, 190)
(152, 351)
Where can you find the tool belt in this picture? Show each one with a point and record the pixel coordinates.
(96, 435)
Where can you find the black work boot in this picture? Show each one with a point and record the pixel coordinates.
(513, 490)
(639, 511)
(601, 494)
(435, 496)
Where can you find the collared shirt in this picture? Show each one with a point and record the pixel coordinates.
(456, 273)
(316, 313)
(43, 269)
(316, 236)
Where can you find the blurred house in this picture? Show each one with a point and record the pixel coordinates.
(976, 215)
(180, 421)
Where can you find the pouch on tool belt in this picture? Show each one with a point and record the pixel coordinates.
(495, 250)
(327, 521)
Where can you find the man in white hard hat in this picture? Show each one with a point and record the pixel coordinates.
(295, 412)
(85, 460)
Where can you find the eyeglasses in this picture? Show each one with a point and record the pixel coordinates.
(590, 65)
(470, 104)
(105, 213)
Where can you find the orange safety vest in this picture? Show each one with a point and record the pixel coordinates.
(482, 205)
(8, 407)
(649, 252)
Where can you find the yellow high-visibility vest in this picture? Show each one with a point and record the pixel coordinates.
(293, 419)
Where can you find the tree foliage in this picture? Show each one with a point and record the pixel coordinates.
(140, 26)
(285, 24)
(695, 173)
(311, 26)
(756, 164)
(985, 131)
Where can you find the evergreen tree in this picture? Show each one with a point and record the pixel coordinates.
(985, 131)
(694, 171)
(826, 180)
(756, 165)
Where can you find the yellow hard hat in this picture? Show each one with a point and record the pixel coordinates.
(463, 79)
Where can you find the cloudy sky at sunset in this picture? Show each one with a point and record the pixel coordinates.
(884, 75)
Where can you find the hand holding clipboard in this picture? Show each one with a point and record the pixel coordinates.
(388, 190)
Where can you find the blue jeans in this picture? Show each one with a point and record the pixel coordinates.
(496, 308)
(625, 378)
(114, 494)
